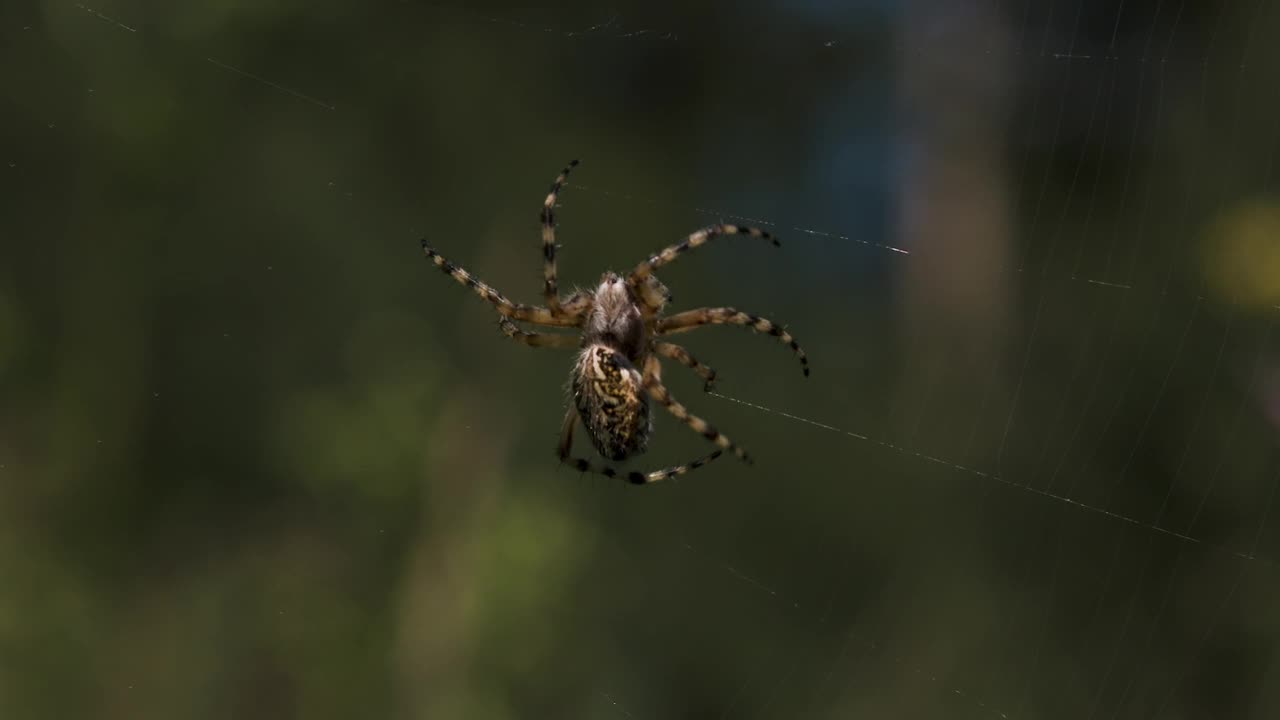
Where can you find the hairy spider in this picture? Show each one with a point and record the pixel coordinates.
(617, 370)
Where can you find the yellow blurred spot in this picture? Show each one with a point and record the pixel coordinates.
(1242, 254)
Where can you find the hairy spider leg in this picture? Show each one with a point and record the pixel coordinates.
(693, 319)
(534, 339)
(549, 284)
(634, 477)
(653, 294)
(682, 356)
(638, 279)
(578, 304)
(506, 308)
(659, 392)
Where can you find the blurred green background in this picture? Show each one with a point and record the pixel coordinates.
(259, 460)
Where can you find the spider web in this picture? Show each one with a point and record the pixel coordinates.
(1030, 249)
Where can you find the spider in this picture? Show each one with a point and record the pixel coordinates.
(617, 369)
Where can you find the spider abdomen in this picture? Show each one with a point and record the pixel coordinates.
(609, 393)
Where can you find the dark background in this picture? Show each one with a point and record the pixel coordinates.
(259, 459)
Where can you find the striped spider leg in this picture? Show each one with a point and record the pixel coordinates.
(550, 289)
(694, 319)
(634, 477)
(642, 282)
(514, 311)
(555, 314)
(660, 393)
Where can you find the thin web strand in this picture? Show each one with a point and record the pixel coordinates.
(1248, 556)
(1072, 275)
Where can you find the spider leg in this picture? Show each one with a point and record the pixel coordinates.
(636, 477)
(682, 356)
(659, 392)
(653, 294)
(566, 435)
(693, 319)
(533, 339)
(577, 305)
(638, 279)
(549, 284)
(506, 308)
(633, 477)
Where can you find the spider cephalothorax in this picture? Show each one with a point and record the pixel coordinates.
(617, 371)
(615, 319)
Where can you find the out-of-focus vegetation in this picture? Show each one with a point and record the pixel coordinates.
(259, 459)
(1242, 256)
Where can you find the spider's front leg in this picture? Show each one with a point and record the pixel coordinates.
(640, 280)
(550, 283)
(505, 308)
(653, 295)
(575, 307)
(534, 339)
(694, 319)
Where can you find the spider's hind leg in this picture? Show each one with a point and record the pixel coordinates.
(638, 478)
(659, 392)
(633, 477)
